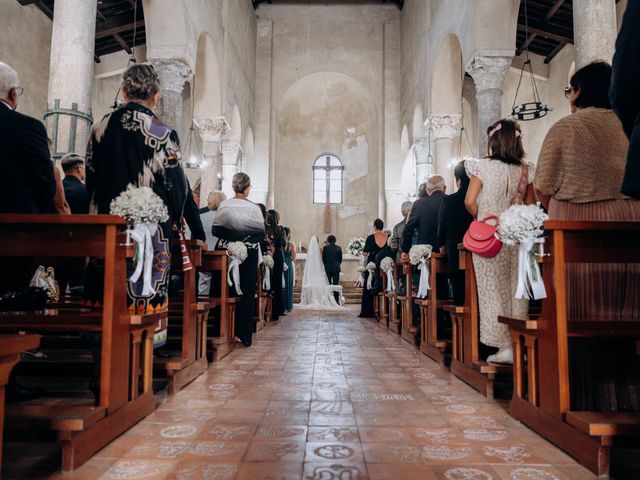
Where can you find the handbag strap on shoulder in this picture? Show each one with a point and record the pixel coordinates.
(489, 217)
(522, 186)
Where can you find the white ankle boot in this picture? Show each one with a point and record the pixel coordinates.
(504, 355)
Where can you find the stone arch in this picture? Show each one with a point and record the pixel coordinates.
(235, 130)
(418, 130)
(207, 81)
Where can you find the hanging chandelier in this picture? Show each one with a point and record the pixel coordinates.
(535, 109)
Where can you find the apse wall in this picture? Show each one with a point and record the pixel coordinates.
(327, 95)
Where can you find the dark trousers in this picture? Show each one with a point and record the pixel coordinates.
(246, 307)
(276, 285)
(334, 279)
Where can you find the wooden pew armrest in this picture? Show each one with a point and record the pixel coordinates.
(203, 306)
(53, 417)
(519, 324)
(598, 424)
(146, 318)
(456, 309)
(53, 319)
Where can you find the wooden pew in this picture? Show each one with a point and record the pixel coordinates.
(394, 322)
(432, 341)
(383, 304)
(259, 311)
(409, 332)
(187, 324)
(466, 363)
(127, 340)
(542, 396)
(10, 348)
(221, 332)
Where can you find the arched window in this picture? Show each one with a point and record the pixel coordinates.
(327, 179)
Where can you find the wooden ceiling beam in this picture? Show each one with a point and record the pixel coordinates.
(122, 43)
(527, 42)
(547, 31)
(554, 52)
(553, 10)
(109, 32)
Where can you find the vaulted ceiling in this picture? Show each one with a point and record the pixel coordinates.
(115, 24)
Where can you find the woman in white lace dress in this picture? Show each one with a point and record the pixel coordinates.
(497, 182)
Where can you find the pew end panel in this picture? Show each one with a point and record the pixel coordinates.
(409, 331)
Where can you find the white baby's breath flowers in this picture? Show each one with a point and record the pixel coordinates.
(419, 252)
(356, 246)
(387, 263)
(139, 205)
(268, 261)
(521, 223)
(371, 267)
(238, 250)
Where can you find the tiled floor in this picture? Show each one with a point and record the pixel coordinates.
(328, 397)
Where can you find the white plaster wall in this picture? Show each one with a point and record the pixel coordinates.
(338, 52)
(25, 44)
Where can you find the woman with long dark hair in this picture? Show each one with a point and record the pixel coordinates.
(277, 242)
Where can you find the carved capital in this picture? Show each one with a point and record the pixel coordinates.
(444, 126)
(488, 72)
(173, 74)
(231, 150)
(211, 129)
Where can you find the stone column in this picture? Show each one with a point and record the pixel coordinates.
(211, 131)
(173, 75)
(71, 75)
(488, 75)
(231, 151)
(444, 129)
(421, 157)
(594, 30)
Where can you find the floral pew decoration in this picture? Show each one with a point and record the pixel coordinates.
(371, 269)
(419, 255)
(238, 253)
(144, 210)
(267, 261)
(386, 265)
(523, 225)
(285, 269)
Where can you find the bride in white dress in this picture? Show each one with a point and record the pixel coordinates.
(317, 294)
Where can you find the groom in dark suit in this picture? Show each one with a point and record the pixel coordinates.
(332, 259)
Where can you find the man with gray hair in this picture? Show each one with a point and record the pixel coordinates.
(27, 184)
(424, 217)
(395, 242)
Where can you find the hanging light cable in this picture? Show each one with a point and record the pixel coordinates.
(192, 161)
(132, 57)
(536, 108)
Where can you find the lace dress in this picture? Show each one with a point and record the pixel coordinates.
(497, 277)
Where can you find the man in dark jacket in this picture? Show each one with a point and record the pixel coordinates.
(27, 184)
(332, 259)
(424, 217)
(74, 189)
(453, 223)
(625, 93)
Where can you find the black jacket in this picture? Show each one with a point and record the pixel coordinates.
(453, 220)
(27, 184)
(76, 194)
(332, 258)
(424, 220)
(625, 93)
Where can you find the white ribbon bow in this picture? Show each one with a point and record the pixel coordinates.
(391, 286)
(423, 286)
(370, 280)
(266, 280)
(284, 282)
(233, 275)
(141, 234)
(530, 284)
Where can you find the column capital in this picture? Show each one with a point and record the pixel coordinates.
(488, 72)
(231, 150)
(173, 73)
(444, 126)
(211, 129)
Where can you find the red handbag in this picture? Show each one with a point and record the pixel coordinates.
(481, 238)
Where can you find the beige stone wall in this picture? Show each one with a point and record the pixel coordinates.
(25, 44)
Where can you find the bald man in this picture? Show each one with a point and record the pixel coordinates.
(424, 217)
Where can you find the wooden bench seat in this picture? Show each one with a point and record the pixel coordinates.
(10, 348)
(126, 341)
(541, 370)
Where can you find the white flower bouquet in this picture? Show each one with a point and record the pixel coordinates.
(419, 255)
(523, 225)
(238, 253)
(360, 281)
(371, 268)
(285, 268)
(386, 265)
(520, 223)
(139, 205)
(268, 261)
(142, 207)
(356, 246)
